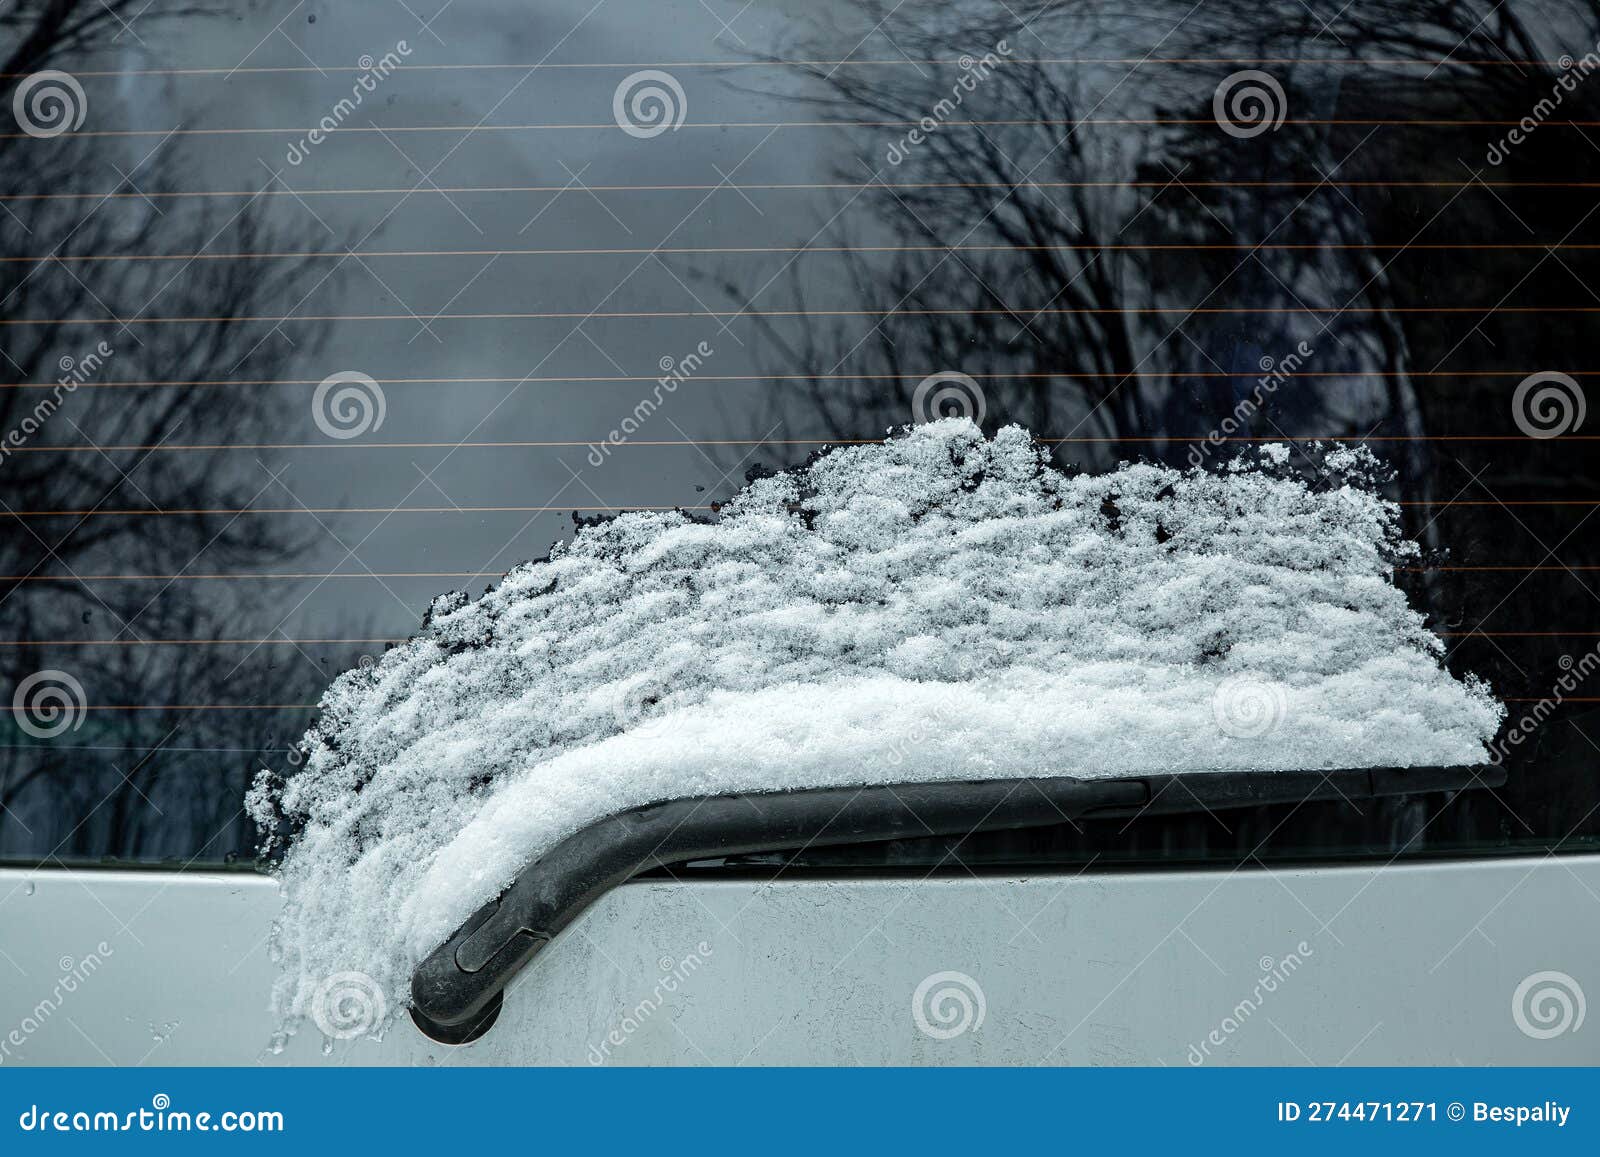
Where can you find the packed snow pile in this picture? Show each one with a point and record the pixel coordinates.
(936, 606)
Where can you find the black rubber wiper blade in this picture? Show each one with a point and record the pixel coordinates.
(457, 990)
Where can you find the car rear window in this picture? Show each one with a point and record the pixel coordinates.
(313, 312)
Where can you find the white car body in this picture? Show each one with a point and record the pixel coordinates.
(1425, 963)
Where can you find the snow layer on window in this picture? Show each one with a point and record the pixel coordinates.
(936, 606)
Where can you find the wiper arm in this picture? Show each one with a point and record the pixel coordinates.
(457, 990)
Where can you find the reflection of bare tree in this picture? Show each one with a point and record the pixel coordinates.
(137, 782)
(1049, 237)
(1064, 233)
(979, 223)
(1035, 210)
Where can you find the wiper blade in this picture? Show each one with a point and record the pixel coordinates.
(457, 990)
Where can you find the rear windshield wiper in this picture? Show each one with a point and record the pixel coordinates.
(457, 990)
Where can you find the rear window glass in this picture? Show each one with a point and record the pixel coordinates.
(310, 314)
